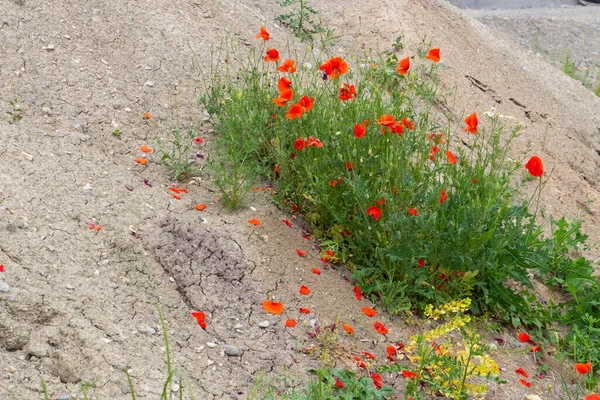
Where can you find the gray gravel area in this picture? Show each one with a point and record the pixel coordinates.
(555, 33)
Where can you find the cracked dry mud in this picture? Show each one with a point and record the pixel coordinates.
(82, 303)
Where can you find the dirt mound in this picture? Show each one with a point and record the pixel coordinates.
(81, 303)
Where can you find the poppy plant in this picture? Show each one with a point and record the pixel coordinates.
(263, 34)
(316, 271)
(472, 123)
(304, 290)
(272, 307)
(146, 149)
(408, 124)
(397, 128)
(142, 161)
(334, 67)
(254, 222)
(304, 310)
(421, 262)
(443, 196)
(535, 166)
(369, 312)
(272, 55)
(379, 327)
(287, 66)
(374, 212)
(349, 166)
(338, 383)
(583, 368)
(284, 84)
(285, 221)
(347, 92)
(368, 355)
(359, 362)
(312, 142)
(391, 352)
(593, 396)
(413, 212)
(451, 158)
(198, 140)
(290, 323)
(434, 151)
(200, 207)
(147, 115)
(294, 112)
(403, 66)
(433, 55)
(348, 329)
(360, 129)
(2, 269)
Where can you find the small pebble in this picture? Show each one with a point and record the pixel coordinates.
(11, 369)
(209, 362)
(175, 387)
(232, 351)
(238, 326)
(125, 390)
(149, 83)
(113, 285)
(70, 287)
(264, 324)
(211, 344)
(171, 279)
(27, 156)
(4, 288)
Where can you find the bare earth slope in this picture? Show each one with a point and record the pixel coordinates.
(81, 303)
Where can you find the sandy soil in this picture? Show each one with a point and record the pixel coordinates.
(82, 303)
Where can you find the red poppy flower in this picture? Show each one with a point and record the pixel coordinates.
(386, 120)
(147, 115)
(284, 84)
(369, 312)
(287, 66)
(2, 269)
(380, 328)
(434, 151)
(592, 397)
(338, 383)
(334, 67)
(316, 271)
(408, 124)
(198, 140)
(254, 222)
(360, 129)
(360, 362)
(264, 35)
(348, 329)
(332, 183)
(397, 128)
(376, 380)
(304, 290)
(535, 166)
(375, 212)
(294, 112)
(535, 349)
(301, 253)
(176, 197)
(304, 310)
(443, 196)
(200, 317)
(523, 337)
(330, 253)
(347, 92)
(200, 207)
(142, 161)
(436, 138)
(272, 55)
(408, 374)
(421, 262)
(451, 158)
(472, 123)
(368, 355)
(357, 293)
(306, 103)
(583, 368)
(525, 383)
(284, 96)
(272, 307)
(522, 372)
(314, 142)
(299, 144)
(413, 212)
(145, 149)
(290, 323)
(403, 66)
(288, 223)
(349, 166)
(380, 202)
(433, 55)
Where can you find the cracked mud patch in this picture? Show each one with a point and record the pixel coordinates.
(213, 276)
